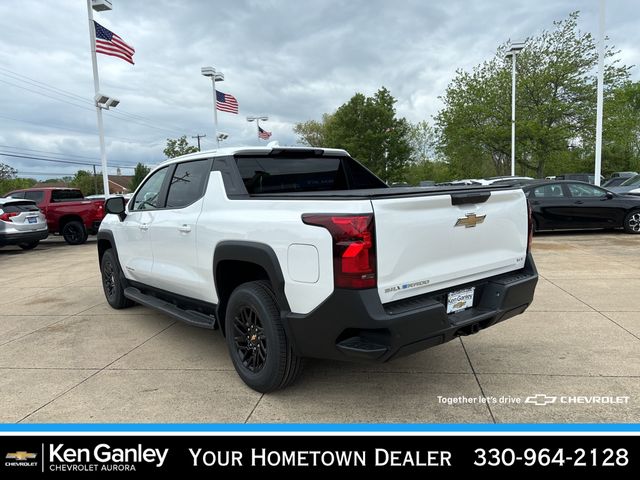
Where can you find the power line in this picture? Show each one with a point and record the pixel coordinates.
(30, 157)
(118, 114)
(74, 130)
(49, 153)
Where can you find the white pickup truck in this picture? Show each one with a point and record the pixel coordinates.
(303, 252)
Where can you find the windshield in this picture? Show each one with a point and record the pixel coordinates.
(635, 180)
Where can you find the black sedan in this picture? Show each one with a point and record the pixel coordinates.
(562, 205)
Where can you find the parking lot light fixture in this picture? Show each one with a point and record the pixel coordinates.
(105, 102)
(257, 120)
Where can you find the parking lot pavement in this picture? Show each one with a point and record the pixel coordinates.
(573, 357)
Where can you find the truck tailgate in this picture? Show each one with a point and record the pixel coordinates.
(442, 240)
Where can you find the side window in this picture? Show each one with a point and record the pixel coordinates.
(147, 196)
(36, 195)
(187, 183)
(586, 191)
(547, 191)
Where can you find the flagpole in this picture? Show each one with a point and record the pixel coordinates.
(96, 85)
(215, 109)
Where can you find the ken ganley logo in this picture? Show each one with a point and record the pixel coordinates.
(20, 459)
(103, 458)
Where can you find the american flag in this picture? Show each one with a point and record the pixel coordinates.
(226, 103)
(109, 43)
(262, 134)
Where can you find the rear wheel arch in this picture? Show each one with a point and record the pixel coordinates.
(238, 262)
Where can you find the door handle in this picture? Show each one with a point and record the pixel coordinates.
(144, 227)
(184, 228)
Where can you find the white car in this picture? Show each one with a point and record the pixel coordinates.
(21, 223)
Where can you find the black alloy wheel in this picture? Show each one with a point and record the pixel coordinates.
(250, 339)
(257, 343)
(113, 290)
(74, 233)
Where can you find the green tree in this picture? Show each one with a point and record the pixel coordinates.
(426, 162)
(178, 147)
(311, 133)
(621, 132)
(7, 172)
(9, 184)
(555, 106)
(85, 181)
(139, 174)
(368, 129)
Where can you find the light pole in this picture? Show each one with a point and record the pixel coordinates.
(598, 166)
(101, 101)
(257, 119)
(514, 49)
(215, 76)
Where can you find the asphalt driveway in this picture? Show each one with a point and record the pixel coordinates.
(66, 357)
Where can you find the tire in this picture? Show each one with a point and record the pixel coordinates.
(632, 222)
(29, 246)
(74, 233)
(113, 290)
(257, 343)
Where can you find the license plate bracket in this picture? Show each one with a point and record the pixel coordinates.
(460, 300)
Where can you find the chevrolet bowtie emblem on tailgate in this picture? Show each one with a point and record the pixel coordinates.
(469, 220)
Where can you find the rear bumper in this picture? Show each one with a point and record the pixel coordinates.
(95, 227)
(22, 237)
(353, 324)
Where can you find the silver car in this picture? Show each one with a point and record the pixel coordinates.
(21, 223)
(631, 186)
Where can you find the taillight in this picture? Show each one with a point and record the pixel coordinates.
(99, 209)
(354, 257)
(530, 240)
(6, 216)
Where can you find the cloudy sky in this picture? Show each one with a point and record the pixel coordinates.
(291, 60)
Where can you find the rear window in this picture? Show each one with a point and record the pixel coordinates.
(18, 206)
(304, 174)
(66, 195)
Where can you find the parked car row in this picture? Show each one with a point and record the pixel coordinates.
(558, 203)
(66, 210)
(631, 186)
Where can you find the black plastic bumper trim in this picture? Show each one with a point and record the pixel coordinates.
(354, 325)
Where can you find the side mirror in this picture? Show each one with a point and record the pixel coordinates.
(115, 205)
